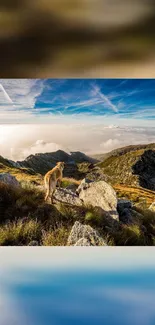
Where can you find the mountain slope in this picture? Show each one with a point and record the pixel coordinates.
(43, 162)
(123, 150)
(131, 167)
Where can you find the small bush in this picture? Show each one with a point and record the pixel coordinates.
(130, 235)
(18, 201)
(20, 233)
(56, 238)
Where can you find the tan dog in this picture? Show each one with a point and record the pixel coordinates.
(51, 179)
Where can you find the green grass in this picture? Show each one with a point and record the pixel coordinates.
(66, 181)
(119, 168)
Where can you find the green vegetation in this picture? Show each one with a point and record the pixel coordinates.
(119, 168)
(66, 181)
(136, 194)
(21, 174)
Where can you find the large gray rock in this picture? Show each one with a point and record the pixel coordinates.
(152, 207)
(101, 195)
(67, 196)
(84, 235)
(83, 185)
(9, 179)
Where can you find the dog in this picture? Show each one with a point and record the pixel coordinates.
(52, 178)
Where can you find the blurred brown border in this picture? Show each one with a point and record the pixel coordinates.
(57, 39)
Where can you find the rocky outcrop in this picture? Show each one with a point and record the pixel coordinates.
(123, 204)
(67, 196)
(145, 169)
(83, 185)
(9, 179)
(80, 157)
(43, 162)
(84, 235)
(125, 216)
(101, 195)
(124, 209)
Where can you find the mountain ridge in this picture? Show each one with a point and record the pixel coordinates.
(132, 165)
(122, 150)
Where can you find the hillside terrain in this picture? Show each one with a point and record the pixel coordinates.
(25, 219)
(123, 150)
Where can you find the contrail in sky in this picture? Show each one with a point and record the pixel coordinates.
(6, 95)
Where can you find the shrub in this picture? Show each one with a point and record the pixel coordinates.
(18, 201)
(20, 233)
(130, 235)
(55, 238)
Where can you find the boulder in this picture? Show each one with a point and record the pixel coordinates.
(100, 195)
(126, 216)
(9, 179)
(72, 187)
(83, 185)
(123, 204)
(67, 196)
(152, 207)
(124, 209)
(84, 235)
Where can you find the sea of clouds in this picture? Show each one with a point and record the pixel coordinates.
(18, 141)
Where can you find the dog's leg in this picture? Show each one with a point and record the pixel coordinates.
(52, 191)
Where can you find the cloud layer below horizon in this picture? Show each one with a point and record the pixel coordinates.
(19, 141)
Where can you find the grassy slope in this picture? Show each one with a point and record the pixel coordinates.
(119, 168)
(22, 174)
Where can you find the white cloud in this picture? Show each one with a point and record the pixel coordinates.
(22, 92)
(40, 146)
(18, 141)
(109, 145)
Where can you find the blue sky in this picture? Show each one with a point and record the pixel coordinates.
(115, 99)
(88, 115)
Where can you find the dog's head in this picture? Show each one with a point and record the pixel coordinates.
(61, 164)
